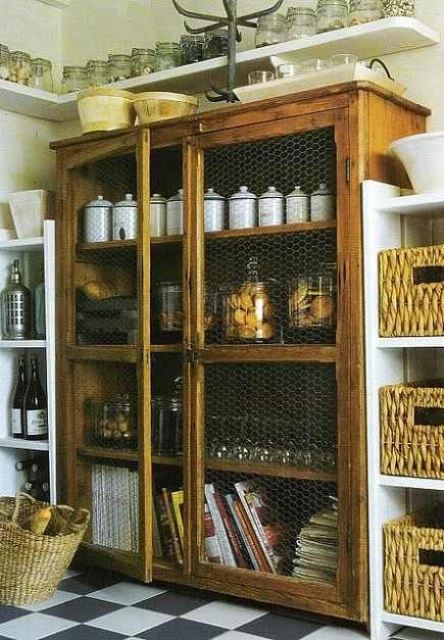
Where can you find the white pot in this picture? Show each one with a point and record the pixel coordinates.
(423, 159)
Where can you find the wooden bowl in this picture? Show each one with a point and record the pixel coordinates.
(153, 106)
(105, 109)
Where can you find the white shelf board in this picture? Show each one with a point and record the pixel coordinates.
(32, 445)
(22, 244)
(426, 203)
(60, 4)
(22, 344)
(411, 483)
(378, 38)
(416, 623)
(410, 343)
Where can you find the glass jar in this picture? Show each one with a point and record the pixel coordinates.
(158, 214)
(214, 211)
(192, 48)
(331, 15)
(118, 427)
(243, 207)
(97, 72)
(271, 208)
(248, 313)
(41, 75)
(322, 204)
(74, 79)
(301, 22)
(311, 301)
(297, 206)
(20, 67)
(4, 62)
(175, 214)
(271, 29)
(168, 55)
(169, 308)
(119, 67)
(143, 62)
(393, 8)
(216, 44)
(362, 11)
(167, 426)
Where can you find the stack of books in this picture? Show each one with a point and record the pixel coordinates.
(316, 554)
(168, 529)
(115, 507)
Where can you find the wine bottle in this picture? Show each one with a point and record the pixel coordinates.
(17, 409)
(36, 413)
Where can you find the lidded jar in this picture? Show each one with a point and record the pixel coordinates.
(16, 307)
(143, 62)
(323, 204)
(158, 215)
(297, 206)
(331, 15)
(175, 214)
(125, 219)
(97, 72)
(243, 207)
(301, 22)
(119, 67)
(216, 44)
(214, 211)
(41, 74)
(4, 62)
(98, 220)
(362, 11)
(169, 309)
(119, 422)
(192, 48)
(20, 67)
(74, 79)
(168, 55)
(271, 29)
(271, 208)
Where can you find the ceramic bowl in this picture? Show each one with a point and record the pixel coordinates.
(105, 109)
(423, 158)
(153, 106)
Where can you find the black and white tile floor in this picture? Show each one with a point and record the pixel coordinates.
(103, 606)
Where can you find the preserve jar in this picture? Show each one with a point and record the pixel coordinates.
(297, 206)
(243, 206)
(143, 62)
(118, 427)
(301, 22)
(98, 220)
(393, 8)
(41, 75)
(322, 204)
(119, 67)
(271, 29)
(331, 15)
(311, 301)
(216, 44)
(4, 62)
(192, 48)
(97, 73)
(271, 208)
(20, 67)
(169, 308)
(158, 215)
(74, 79)
(362, 11)
(248, 312)
(168, 55)
(175, 214)
(214, 211)
(167, 426)
(125, 219)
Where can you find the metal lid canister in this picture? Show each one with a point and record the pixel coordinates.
(97, 220)
(214, 211)
(297, 206)
(323, 204)
(175, 214)
(271, 208)
(243, 206)
(158, 215)
(125, 219)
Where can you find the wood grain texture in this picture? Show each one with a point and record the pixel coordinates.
(268, 353)
(271, 470)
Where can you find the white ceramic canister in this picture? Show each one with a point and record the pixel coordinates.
(243, 206)
(158, 215)
(125, 219)
(271, 208)
(297, 206)
(214, 211)
(175, 214)
(323, 204)
(98, 220)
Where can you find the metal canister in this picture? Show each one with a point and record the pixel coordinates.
(175, 214)
(98, 220)
(158, 215)
(297, 206)
(16, 307)
(322, 204)
(214, 211)
(125, 219)
(243, 206)
(271, 208)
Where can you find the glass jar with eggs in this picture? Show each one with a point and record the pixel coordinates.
(112, 423)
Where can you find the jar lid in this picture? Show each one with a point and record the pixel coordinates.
(21, 54)
(4, 48)
(99, 202)
(128, 202)
(73, 69)
(322, 190)
(212, 195)
(218, 33)
(177, 196)
(272, 193)
(157, 198)
(42, 61)
(297, 193)
(96, 63)
(243, 193)
(142, 52)
(305, 11)
(272, 18)
(167, 45)
(118, 57)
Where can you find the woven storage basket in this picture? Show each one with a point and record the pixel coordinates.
(412, 431)
(411, 291)
(31, 566)
(414, 566)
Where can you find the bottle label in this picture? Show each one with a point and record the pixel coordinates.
(36, 422)
(16, 422)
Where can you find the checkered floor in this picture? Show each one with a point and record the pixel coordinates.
(103, 606)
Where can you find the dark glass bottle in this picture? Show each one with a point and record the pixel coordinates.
(17, 413)
(36, 413)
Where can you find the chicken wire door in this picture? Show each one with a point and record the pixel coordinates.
(273, 491)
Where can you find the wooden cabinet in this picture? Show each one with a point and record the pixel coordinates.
(262, 363)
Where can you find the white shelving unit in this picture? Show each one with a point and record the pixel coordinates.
(31, 252)
(391, 221)
(374, 39)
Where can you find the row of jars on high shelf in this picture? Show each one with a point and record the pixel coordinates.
(19, 67)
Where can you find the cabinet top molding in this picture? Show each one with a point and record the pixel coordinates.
(60, 4)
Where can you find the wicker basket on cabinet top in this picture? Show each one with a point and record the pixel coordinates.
(412, 430)
(411, 291)
(414, 565)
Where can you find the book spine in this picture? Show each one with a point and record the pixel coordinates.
(165, 531)
(212, 547)
(247, 552)
(252, 539)
(232, 536)
(175, 537)
(224, 543)
(242, 491)
(177, 501)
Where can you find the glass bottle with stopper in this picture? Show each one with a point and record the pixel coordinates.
(16, 307)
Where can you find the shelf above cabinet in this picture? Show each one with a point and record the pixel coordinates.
(271, 470)
(374, 39)
(31, 445)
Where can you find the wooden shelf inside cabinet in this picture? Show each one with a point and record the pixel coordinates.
(271, 470)
(166, 240)
(166, 348)
(113, 245)
(269, 353)
(126, 455)
(167, 461)
(106, 353)
(267, 231)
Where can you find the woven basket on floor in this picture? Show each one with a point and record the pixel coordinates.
(411, 292)
(412, 440)
(31, 566)
(413, 570)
